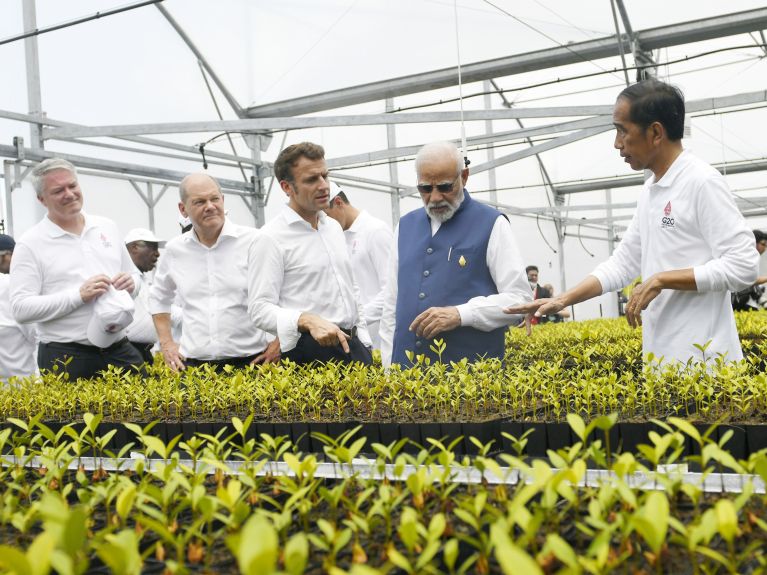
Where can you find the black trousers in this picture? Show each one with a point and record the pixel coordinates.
(219, 364)
(86, 361)
(145, 349)
(308, 350)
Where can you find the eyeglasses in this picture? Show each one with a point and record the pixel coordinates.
(441, 188)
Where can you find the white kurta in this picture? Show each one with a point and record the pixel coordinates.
(687, 220)
(484, 313)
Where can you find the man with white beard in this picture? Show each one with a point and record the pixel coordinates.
(454, 264)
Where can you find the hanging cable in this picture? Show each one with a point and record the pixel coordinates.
(466, 160)
(580, 239)
(540, 231)
(220, 117)
(201, 147)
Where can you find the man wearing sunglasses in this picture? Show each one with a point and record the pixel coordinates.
(454, 266)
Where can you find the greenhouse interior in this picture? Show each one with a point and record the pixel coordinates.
(368, 287)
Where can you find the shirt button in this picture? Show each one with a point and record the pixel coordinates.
(429, 250)
(421, 295)
(418, 344)
(426, 273)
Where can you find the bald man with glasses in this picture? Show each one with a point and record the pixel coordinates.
(454, 265)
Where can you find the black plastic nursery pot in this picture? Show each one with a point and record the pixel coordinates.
(500, 435)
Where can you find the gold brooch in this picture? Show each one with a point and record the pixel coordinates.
(462, 262)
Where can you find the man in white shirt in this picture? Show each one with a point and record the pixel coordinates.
(206, 266)
(61, 267)
(144, 249)
(687, 240)
(454, 267)
(299, 272)
(369, 241)
(17, 351)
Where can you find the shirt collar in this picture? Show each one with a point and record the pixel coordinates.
(230, 230)
(292, 217)
(358, 222)
(672, 173)
(56, 231)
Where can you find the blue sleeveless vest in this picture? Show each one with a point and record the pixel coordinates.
(445, 270)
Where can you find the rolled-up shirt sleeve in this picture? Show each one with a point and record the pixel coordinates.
(265, 276)
(621, 268)
(504, 262)
(28, 305)
(735, 262)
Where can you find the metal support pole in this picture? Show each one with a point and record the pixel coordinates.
(610, 223)
(257, 203)
(391, 141)
(149, 199)
(9, 185)
(560, 228)
(32, 58)
(491, 181)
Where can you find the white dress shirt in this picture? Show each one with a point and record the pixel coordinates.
(49, 266)
(293, 269)
(212, 284)
(19, 342)
(484, 313)
(688, 219)
(369, 241)
(142, 329)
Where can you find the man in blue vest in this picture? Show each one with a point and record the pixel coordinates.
(454, 265)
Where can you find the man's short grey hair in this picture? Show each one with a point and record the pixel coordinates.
(436, 150)
(182, 185)
(38, 172)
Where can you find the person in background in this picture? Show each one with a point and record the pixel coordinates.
(454, 267)
(561, 315)
(300, 274)
(751, 298)
(687, 239)
(369, 241)
(206, 266)
(70, 274)
(144, 249)
(539, 291)
(17, 350)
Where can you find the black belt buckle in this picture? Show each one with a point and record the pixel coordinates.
(351, 332)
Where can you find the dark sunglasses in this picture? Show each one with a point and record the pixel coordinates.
(441, 188)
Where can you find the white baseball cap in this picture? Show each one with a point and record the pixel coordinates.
(112, 313)
(335, 189)
(142, 235)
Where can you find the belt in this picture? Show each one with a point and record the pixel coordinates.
(84, 347)
(351, 331)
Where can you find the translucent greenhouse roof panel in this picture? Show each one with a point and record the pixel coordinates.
(266, 51)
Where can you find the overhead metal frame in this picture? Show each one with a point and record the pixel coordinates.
(259, 119)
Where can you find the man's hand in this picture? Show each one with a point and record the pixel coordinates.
(124, 281)
(641, 296)
(172, 356)
(761, 280)
(536, 308)
(436, 320)
(271, 354)
(94, 287)
(325, 333)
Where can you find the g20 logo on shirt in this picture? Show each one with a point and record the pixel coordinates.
(667, 221)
